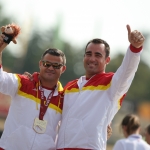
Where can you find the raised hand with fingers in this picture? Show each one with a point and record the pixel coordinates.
(135, 37)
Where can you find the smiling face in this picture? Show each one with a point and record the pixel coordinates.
(50, 75)
(95, 59)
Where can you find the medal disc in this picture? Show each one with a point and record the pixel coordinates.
(39, 126)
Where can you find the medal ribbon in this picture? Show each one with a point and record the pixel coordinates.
(45, 105)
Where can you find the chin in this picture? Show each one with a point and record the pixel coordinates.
(92, 71)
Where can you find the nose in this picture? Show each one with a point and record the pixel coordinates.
(92, 58)
(50, 67)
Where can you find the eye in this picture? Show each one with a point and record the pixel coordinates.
(87, 54)
(98, 55)
(47, 65)
(56, 64)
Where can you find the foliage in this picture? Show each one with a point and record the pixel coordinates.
(41, 40)
(139, 90)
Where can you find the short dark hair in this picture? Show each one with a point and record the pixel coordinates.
(131, 122)
(100, 41)
(55, 52)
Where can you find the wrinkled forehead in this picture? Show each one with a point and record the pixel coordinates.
(95, 48)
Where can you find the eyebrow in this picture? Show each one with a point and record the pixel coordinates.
(51, 62)
(97, 53)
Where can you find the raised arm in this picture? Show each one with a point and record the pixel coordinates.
(8, 81)
(1, 47)
(123, 77)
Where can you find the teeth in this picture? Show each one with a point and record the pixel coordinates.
(91, 64)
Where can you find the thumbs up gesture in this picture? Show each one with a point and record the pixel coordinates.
(135, 37)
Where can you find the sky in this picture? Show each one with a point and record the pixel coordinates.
(83, 20)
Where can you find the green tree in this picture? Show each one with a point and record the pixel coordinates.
(8, 59)
(39, 40)
(139, 89)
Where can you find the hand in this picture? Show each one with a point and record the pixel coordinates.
(1, 39)
(28, 75)
(2, 43)
(135, 37)
(109, 131)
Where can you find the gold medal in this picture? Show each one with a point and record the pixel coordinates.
(39, 126)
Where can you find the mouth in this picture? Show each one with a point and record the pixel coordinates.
(91, 65)
(50, 73)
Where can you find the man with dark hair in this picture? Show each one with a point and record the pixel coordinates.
(100, 41)
(91, 102)
(36, 105)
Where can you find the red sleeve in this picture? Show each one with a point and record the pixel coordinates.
(71, 84)
(135, 50)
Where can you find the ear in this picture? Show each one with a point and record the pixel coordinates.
(139, 129)
(40, 64)
(107, 60)
(124, 128)
(2, 28)
(63, 69)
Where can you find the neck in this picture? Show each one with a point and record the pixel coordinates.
(48, 84)
(135, 132)
(88, 75)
